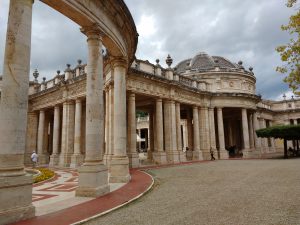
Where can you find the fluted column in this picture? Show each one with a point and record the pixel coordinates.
(77, 157)
(132, 153)
(119, 166)
(15, 186)
(223, 152)
(197, 154)
(182, 156)
(159, 156)
(93, 174)
(54, 158)
(245, 132)
(204, 132)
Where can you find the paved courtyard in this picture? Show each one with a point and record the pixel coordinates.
(238, 192)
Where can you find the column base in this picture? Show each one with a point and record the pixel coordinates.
(197, 155)
(189, 155)
(159, 158)
(106, 159)
(92, 180)
(254, 154)
(119, 170)
(43, 159)
(134, 161)
(54, 160)
(206, 154)
(246, 153)
(223, 154)
(65, 160)
(173, 157)
(182, 156)
(16, 199)
(76, 160)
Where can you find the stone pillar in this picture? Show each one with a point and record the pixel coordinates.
(132, 153)
(67, 139)
(106, 126)
(204, 133)
(251, 134)
(77, 157)
(151, 136)
(159, 156)
(182, 156)
(223, 152)
(31, 137)
(273, 147)
(264, 141)
(41, 139)
(15, 185)
(54, 158)
(110, 148)
(245, 132)
(197, 154)
(256, 139)
(93, 174)
(119, 165)
(212, 130)
(170, 132)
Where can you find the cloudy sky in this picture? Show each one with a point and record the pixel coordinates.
(247, 30)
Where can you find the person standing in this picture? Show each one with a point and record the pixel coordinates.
(212, 157)
(34, 159)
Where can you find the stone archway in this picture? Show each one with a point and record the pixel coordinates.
(107, 22)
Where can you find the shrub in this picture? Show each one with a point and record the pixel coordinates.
(45, 175)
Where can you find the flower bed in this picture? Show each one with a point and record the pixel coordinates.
(45, 175)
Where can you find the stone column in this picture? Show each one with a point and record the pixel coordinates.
(110, 148)
(119, 165)
(223, 152)
(212, 130)
(197, 154)
(190, 130)
(31, 137)
(15, 185)
(251, 134)
(182, 156)
(42, 155)
(93, 174)
(256, 139)
(159, 156)
(170, 132)
(54, 158)
(151, 136)
(106, 126)
(67, 139)
(273, 147)
(245, 132)
(204, 133)
(77, 157)
(132, 153)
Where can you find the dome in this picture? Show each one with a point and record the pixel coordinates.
(204, 62)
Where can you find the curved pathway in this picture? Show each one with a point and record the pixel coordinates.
(237, 192)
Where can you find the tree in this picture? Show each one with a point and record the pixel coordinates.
(290, 53)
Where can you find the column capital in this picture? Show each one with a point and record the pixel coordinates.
(78, 100)
(195, 107)
(158, 100)
(92, 31)
(119, 62)
(131, 95)
(211, 108)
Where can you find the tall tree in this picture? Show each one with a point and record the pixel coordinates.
(290, 53)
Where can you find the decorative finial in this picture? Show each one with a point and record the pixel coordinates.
(250, 68)
(240, 62)
(44, 79)
(157, 61)
(79, 62)
(169, 61)
(284, 96)
(68, 68)
(58, 72)
(36, 75)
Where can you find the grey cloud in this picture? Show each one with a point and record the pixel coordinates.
(246, 30)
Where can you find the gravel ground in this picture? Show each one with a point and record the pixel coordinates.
(237, 192)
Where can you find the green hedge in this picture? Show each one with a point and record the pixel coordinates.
(288, 132)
